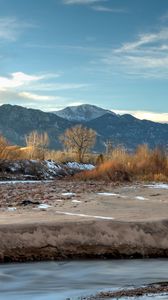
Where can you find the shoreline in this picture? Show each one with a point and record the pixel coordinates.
(153, 289)
(83, 239)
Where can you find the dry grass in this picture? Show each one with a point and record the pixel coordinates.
(67, 156)
(144, 164)
(108, 171)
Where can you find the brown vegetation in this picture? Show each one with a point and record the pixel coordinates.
(37, 144)
(119, 165)
(144, 164)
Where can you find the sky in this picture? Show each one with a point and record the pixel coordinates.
(109, 53)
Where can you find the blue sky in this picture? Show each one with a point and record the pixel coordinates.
(110, 53)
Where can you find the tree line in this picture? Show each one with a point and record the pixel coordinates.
(78, 139)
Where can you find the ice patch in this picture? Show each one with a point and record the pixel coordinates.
(43, 206)
(141, 198)
(157, 186)
(83, 215)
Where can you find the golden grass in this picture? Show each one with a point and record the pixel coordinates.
(144, 164)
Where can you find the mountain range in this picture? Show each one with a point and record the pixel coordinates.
(126, 130)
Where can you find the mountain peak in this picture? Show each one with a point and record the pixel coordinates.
(82, 113)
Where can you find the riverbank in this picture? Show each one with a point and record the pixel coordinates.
(83, 239)
(150, 290)
(69, 220)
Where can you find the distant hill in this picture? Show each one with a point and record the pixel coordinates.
(126, 130)
(82, 113)
(17, 121)
(129, 131)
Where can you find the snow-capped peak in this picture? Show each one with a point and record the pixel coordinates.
(83, 113)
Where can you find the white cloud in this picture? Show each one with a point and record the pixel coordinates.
(20, 80)
(58, 86)
(36, 101)
(83, 2)
(36, 91)
(145, 39)
(145, 57)
(102, 8)
(11, 28)
(95, 5)
(145, 115)
(36, 97)
(16, 80)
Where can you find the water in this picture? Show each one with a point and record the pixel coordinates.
(62, 280)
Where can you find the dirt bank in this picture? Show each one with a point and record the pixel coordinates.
(83, 239)
(60, 219)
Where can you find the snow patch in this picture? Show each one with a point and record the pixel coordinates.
(11, 208)
(68, 194)
(23, 181)
(80, 166)
(43, 206)
(112, 194)
(83, 215)
(141, 198)
(76, 201)
(44, 170)
(157, 186)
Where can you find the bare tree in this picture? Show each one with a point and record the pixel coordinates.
(3, 146)
(109, 146)
(79, 139)
(37, 144)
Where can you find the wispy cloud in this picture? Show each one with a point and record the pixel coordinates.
(96, 5)
(81, 2)
(20, 80)
(36, 97)
(36, 91)
(164, 17)
(102, 8)
(145, 57)
(70, 48)
(16, 80)
(11, 28)
(59, 86)
(145, 39)
(36, 101)
(145, 115)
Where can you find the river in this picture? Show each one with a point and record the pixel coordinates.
(70, 280)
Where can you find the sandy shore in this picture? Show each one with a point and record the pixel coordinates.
(82, 220)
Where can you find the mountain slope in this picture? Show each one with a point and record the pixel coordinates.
(17, 121)
(82, 113)
(129, 131)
